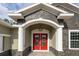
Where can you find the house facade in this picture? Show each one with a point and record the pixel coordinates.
(41, 28)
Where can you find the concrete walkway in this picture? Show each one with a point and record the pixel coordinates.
(41, 54)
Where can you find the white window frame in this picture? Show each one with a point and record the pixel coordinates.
(3, 35)
(70, 39)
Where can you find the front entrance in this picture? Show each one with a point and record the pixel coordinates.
(40, 41)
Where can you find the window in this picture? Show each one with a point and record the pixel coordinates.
(74, 39)
(4, 42)
(37, 36)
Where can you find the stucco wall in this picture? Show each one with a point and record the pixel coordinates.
(14, 36)
(52, 39)
(27, 38)
(4, 30)
(14, 40)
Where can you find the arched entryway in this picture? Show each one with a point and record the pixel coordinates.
(40, 34)
(26, 27)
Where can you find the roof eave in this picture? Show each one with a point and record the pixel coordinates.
(16, 15)
(65, 16)
(2, 22)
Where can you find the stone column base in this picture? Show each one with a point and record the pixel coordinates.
(19, 53)
(26, 52)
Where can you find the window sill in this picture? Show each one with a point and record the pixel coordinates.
(73, 48)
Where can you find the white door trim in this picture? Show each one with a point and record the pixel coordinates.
(37, 31)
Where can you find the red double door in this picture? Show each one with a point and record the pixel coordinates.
(40, 41)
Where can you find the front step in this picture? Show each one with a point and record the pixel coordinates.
(41, 54)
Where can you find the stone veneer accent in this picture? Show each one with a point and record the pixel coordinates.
(41, 14)
(6, 53)
(26, 52)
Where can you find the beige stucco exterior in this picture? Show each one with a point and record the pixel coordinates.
(4, 29)
(14, 36)
(27, 38)
(14, 40)
(52, 41)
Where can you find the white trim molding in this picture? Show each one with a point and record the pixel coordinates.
(70, 39)
(65, 15)
(6, 35)
(21, 38)
(50, 8)
(41, 4)
(16, 15)
(21, 10)
(41, 20)
(59, 39)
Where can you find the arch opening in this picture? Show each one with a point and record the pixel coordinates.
(43, 21)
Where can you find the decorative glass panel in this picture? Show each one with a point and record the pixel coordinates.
(43, 37)
(43, 40)
(37, 38)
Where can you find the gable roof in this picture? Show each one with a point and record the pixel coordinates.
(54, 10)
(47, 7)
(69, 6)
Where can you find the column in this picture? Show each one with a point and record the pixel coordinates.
(21, 39)
(59, 39)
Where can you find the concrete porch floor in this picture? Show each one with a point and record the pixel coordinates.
(41, 54)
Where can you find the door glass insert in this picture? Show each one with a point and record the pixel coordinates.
(43, 39)
(37, 38)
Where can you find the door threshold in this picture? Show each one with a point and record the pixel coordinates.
(40, 50)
